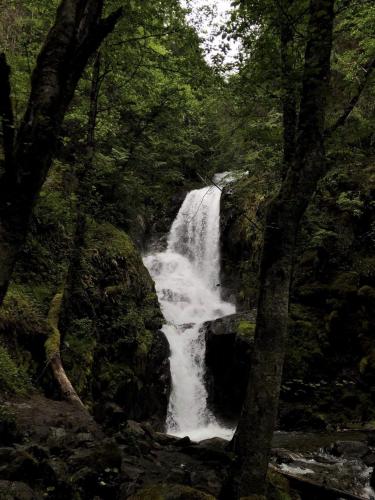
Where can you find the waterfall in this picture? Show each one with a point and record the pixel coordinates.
(187, 282)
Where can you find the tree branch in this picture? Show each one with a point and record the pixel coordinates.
(354, 100)
(6, 112)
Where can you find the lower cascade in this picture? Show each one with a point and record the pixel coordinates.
(187, 279)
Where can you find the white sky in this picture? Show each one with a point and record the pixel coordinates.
(209, 26)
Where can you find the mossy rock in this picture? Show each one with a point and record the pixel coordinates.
(246, 328)
(170, 492)
(111, 323)
(13, 378)
(278, 487)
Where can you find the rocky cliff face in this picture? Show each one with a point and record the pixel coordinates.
(329, 366)
(117, 356)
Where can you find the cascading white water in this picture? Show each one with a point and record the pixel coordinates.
(187, 283)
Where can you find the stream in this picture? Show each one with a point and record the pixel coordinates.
(187, 281)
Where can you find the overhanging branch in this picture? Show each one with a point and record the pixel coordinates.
(354, 100)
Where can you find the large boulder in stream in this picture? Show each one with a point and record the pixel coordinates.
(229, 342)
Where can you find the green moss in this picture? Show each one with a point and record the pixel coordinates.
(20, 314)
(111, 317)
(52, 345)
(246, 328)
(278, 487)
(13, 378)
(78, 353)
(351, 203)
(346, 283)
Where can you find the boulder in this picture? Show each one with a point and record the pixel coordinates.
(350, 449)
(117, 357)
(16, 490)
(229, 342)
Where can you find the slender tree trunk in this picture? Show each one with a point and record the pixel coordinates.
(94, 99)
(52, 348)
(76, 34)
(255, 430)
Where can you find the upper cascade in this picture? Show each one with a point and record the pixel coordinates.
(187, 279)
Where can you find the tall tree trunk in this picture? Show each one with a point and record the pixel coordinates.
(76, 34)
(255, 430)
(94, 99)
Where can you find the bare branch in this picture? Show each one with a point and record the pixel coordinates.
(243, 214)
(354, 100)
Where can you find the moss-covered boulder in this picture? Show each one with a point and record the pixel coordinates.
(229, 343)
(113, 350)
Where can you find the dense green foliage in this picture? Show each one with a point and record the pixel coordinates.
(148, 118)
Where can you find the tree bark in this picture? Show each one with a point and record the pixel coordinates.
(93, 109)
(76, 34)
(255, 430)
(52, 348)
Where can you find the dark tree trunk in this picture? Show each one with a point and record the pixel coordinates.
(76, 34)
(255, 430)
(94, 98)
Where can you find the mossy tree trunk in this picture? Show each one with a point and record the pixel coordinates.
(77, 33)
(52, 347)
(255, 430)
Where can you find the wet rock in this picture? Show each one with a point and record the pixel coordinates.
(57, 439)
(207, 480)
(38, 452)
(134, 428)
(84, 479)
(5, 455)
(106, 454)
(21, 467)
(9, 432)
(282, 456)
(179, 476)
(15, 490)
(369, 459)
(350, 449)
(183, 442)
(209, 450)
(229, 342)
(165, 439)
(215, 443)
